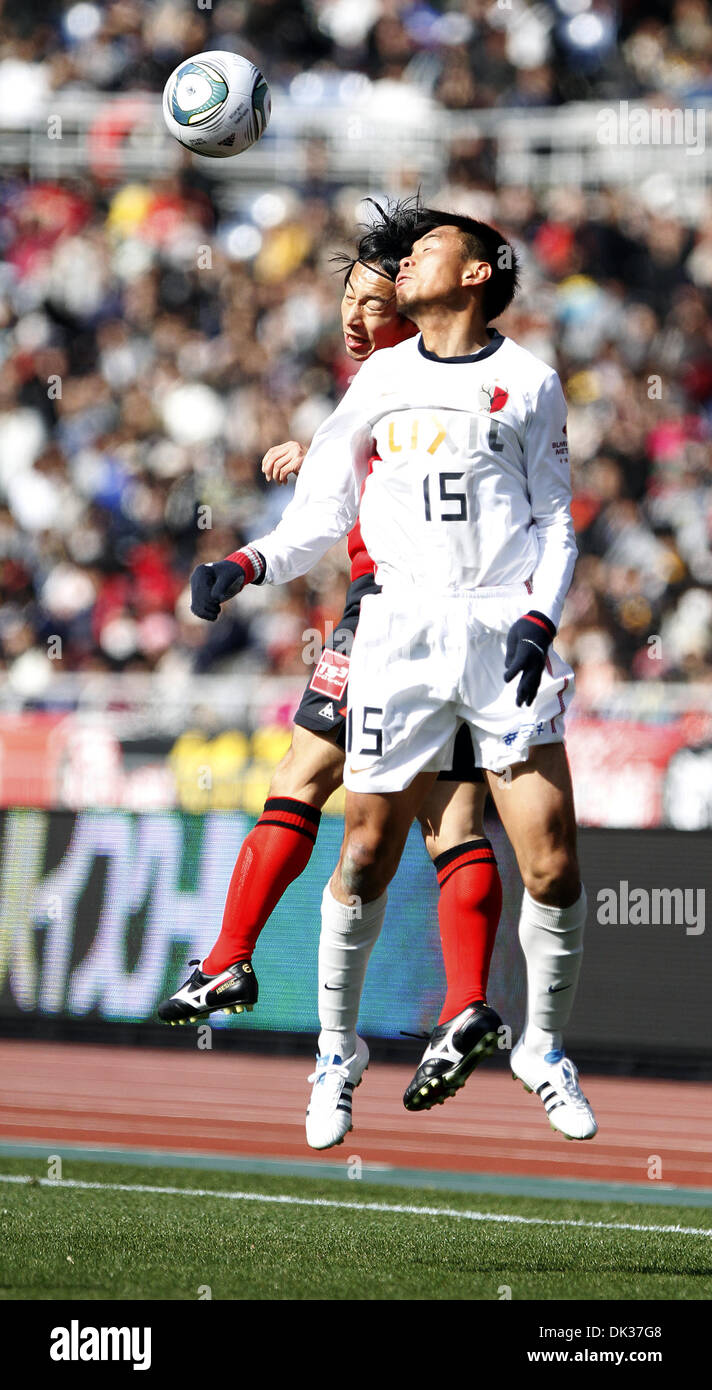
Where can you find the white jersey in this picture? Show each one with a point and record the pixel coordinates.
(471, 487)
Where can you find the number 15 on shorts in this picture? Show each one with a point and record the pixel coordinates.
(369, 733)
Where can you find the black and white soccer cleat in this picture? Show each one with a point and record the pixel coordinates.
(454, 1049)
(233, 991)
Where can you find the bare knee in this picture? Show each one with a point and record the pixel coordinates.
(364, 864)
(553, 877)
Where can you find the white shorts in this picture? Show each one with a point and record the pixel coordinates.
(421, 664)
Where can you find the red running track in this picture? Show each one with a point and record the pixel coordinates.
(210, 1103)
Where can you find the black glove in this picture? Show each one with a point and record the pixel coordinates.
(211, 585)
(528, 642)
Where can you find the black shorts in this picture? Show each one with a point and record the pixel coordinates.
(322, 708)
(463, 760)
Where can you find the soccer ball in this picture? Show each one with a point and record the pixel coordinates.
(217, 104)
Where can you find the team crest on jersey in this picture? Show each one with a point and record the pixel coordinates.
(493, 396)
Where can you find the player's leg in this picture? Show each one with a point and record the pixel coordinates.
(470, 898)
(534, 799)
(354, 904)
(400, 723)
(352, 913)
(279, 847)
(376, 826)
(469, 906)
(383, 757)
(535, 803)
(272, 855)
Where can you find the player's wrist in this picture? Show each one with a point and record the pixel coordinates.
(541, 620)
(251, 562)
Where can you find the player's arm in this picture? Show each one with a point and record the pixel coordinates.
(324, 508)
(549, 478)
(549, 482)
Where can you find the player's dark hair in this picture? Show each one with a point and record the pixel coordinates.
(386, 240)
(486, 244)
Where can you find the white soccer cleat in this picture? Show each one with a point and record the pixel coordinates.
(554, 1079)
(329, 1109)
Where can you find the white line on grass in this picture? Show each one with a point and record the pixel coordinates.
(398, 1210)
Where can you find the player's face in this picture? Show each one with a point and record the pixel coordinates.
(369, 314)
(433, 272)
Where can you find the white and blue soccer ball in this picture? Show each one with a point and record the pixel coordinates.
(216, 104)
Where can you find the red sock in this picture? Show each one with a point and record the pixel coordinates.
(273, 854)
(468, 911)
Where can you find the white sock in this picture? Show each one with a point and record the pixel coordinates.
(345, 945)
(552, 942)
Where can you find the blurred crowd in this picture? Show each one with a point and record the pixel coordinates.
(151, 350)
(469, 53)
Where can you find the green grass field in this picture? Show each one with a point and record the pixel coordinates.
(76, 1242)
